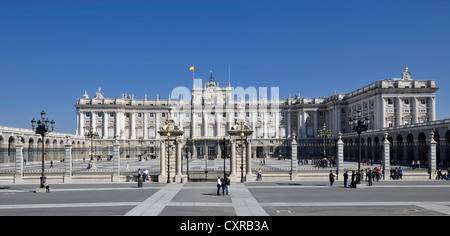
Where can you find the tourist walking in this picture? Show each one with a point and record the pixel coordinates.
(331, 178)
(145, 174)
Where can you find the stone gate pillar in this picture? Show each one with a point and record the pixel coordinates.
(386, 154)
(340, 156)
(248, 162)
(162, 178)
(432, 156)
(116, 160)
(294, 164)
(19, 162)
(233, 161)
(68, 162)
(178, 173)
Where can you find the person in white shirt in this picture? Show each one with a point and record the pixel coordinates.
(219, 185)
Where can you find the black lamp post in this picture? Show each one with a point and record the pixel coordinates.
(359, 125)
(324, 133)
(168, 153)
(91, 134)
(42, 129)
(242, 134)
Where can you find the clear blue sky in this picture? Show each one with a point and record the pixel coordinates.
(52, 51)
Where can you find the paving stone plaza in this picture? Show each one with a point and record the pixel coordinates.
(298, 198)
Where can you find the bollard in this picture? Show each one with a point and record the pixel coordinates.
(139, 182)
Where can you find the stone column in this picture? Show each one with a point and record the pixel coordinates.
(398, 111)
(19, 163)
(382, 114)
(145, 131)
(94, 121)
(340, 156)
(81, 124)
(105, 125)
(288, 129)
(248, 164)
(162, 178)
(316, 122)
(233, 161)
(116, 160)
(414, 111)
(432, 156)
(386, 154)
(294, 165)
(193, 124)
(431, 109)
(303, 123)
(178, 174)
(133, 125)
(67, 162)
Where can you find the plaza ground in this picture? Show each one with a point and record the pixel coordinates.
(278, 198)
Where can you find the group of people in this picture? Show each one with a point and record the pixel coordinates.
(442, 176)
(145, 174)
(370, 175)
(396, 173)
(224, 185)
(321, 163)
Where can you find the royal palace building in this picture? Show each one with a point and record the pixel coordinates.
(206, 112)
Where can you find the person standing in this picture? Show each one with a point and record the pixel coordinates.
(345, 179)
(139, 174)
(331, 178)
(259, 174)
(145, 174)
(224, 185)
(228, 183)
(219, 184)
(400, 172)
(370, 175)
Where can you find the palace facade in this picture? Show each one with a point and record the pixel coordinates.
(212, 110)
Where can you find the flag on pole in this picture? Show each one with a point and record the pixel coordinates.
(193, 73)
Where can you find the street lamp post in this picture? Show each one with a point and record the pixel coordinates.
(91, 134)
(168, 151)
(324, 133)
(42, 129)
(242, 152)
(359, 125)
(224, 156)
